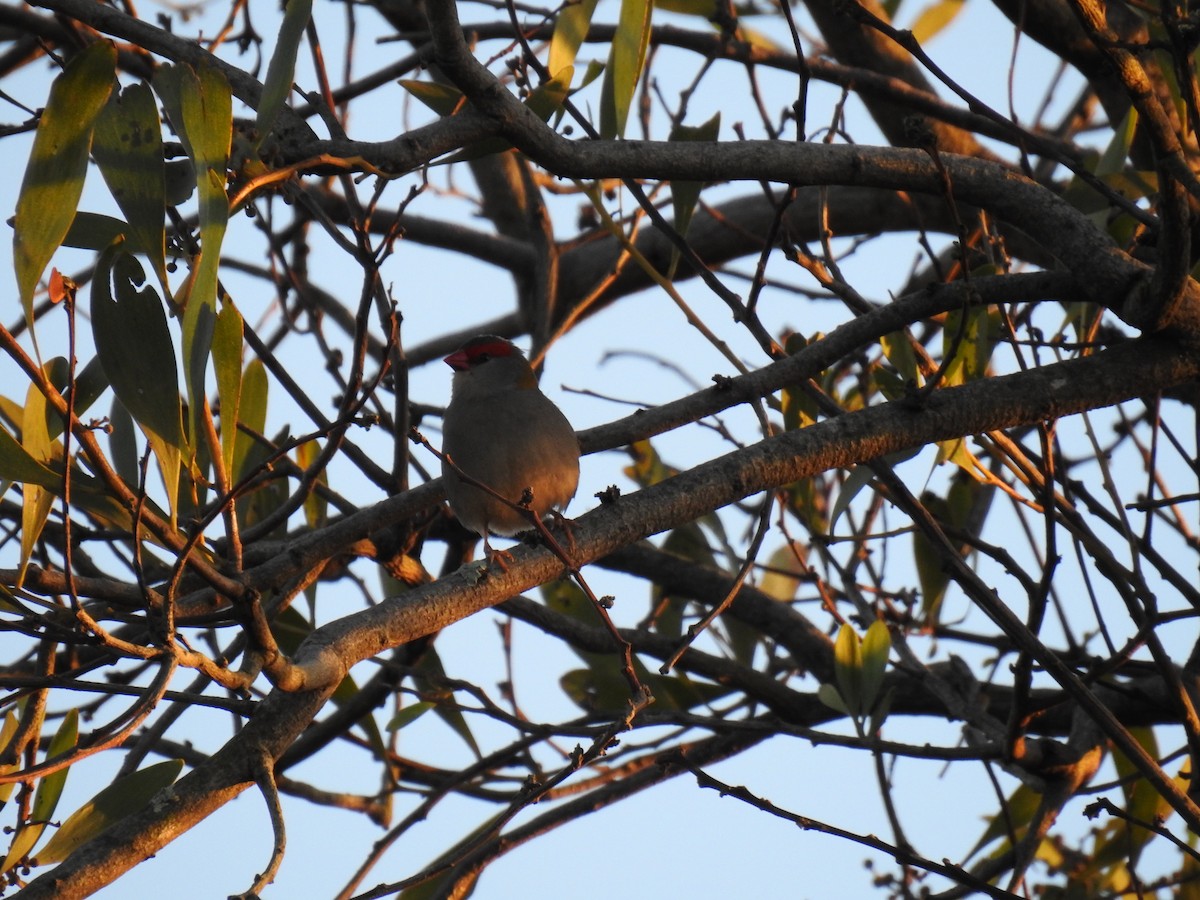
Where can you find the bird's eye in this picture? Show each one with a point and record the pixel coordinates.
(482, 358)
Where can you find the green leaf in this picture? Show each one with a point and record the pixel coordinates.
(135, 348)
(548, 97)
(290, 628)
(17, 464)
(858, 478)
(429, 679)
(343, 696)
(566, 598)
(687, 542)
(625, 62)
(90, 383)
(964, 508)
(49, 790)
(848, 668)
(272, 492)
(898, 350)
(443, 99)
(57, 165)
(880, 710)
(570, 30)
(122, 798)
(180, 180)
(282, 67)
(829, 695)
(686, 194)
(675, 691)
(931, 573)
(1019, 809)
(122, 443)
(409, 714)
(93, 231)
(596, 689)
(934, 17)
(1112, 160)
(128, 148)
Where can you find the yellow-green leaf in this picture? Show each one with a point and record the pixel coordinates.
(45, 799)
(648, 467)
(785, 568)
(876, 646)
(898, 349)
(799, 409)
(570, 29)
(57, 165)
(848, 668)
(199, 105)
(227, 366)
(36, 501)
(252, 412)
(7, 733)
(122, 798)
(934, 17)
(316, 507)
(706, 9)
(625, 61)
(1018, 810)
(547, 98)
(971, 340)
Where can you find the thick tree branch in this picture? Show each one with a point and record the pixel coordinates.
(1139, 368)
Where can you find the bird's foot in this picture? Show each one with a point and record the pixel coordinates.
(498, 558)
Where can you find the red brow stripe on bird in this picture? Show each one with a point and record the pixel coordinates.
(489, 348)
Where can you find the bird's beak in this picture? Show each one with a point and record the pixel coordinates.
(458, 361)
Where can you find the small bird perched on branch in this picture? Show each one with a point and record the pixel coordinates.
(502, 431)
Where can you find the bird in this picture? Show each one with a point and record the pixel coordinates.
(501, 430)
